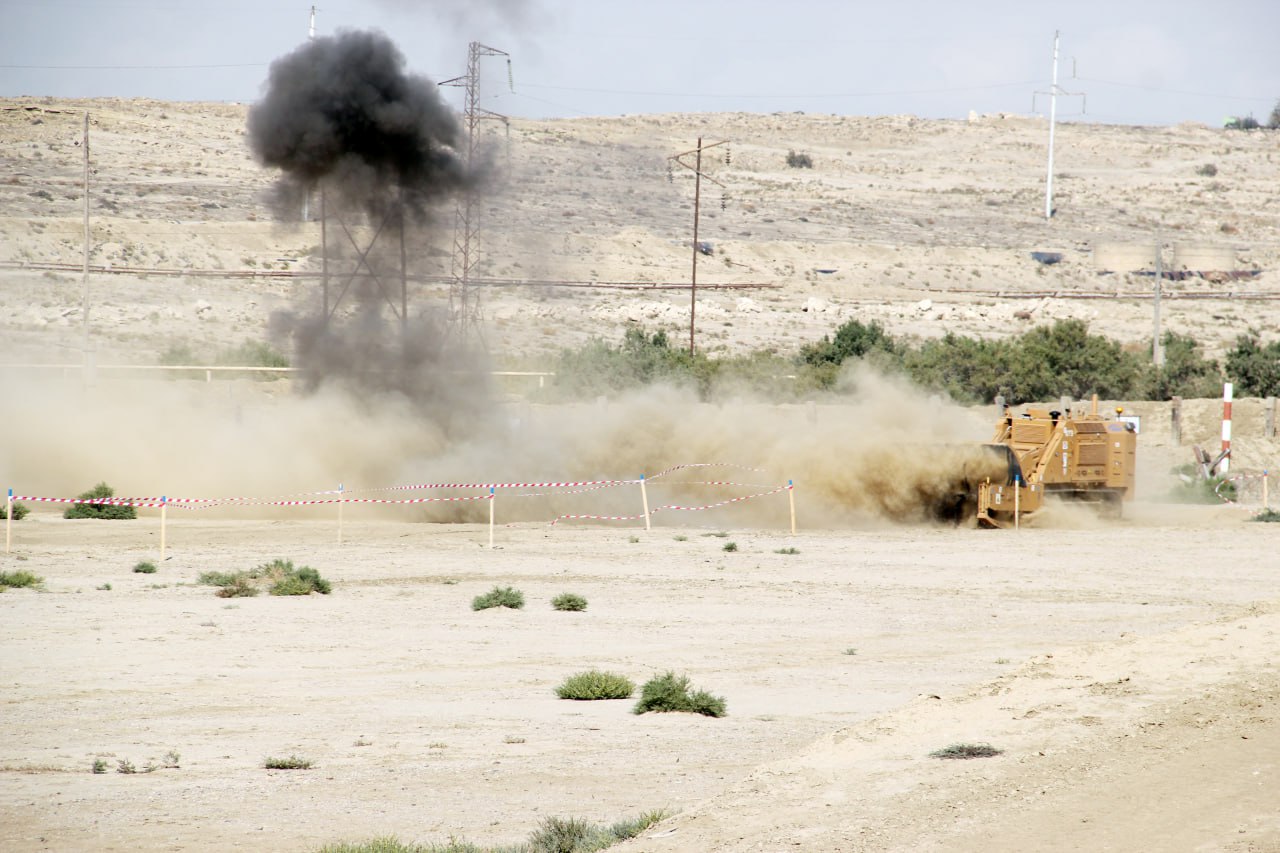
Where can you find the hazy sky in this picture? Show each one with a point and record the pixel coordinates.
(1138, 61)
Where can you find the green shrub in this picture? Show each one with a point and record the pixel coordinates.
(1208, 170)
(670, 692)
(240, 587)
(179, 354)
(1255, 367)
(291, 581)
(280, 577)
(553, 835)
(1197, 490)
(594, 684)
(293, 762)
(19, 579)
(1267, 515)
(499, 597)
(99, 766)
(966, 750)
(253, 354)
(20, 511)
(569, 601)
(99, 510)
(787, 550)
(730, 546)
(145, 567)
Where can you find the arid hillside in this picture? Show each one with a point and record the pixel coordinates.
(926, 226)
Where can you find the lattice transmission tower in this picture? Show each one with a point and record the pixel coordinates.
(465, 316)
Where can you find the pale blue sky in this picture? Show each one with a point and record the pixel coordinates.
(1139, 61)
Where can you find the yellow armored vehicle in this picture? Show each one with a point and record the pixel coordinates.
(1073, 455)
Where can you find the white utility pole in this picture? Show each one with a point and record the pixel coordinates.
(1054, 91)
(1053, 119)
(84, 298)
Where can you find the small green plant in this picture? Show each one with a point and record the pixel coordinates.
(280, 577)
(670, 692)
(681, 537)
(633, 539)
(241, 586)
(293, 762)
(145, 567)
(1208, 170)
(719, 534)
(106, 587)
(20, 511)
(125, 766)
(499, 597)
(100, 492)
(594, 684)
(966, 750)
(19, 579)
(787, 550)
(291, 581)
(99, 765)
(731, 546)
(171, 759)
(1267, 515)
(565, 835)
(569, 601)
(850, 651)
(553, 835)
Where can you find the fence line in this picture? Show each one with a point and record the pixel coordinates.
(339, 498)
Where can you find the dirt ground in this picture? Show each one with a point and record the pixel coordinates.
(1126, 670)
(1128, 673)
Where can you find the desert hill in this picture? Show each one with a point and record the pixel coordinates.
(926, 226)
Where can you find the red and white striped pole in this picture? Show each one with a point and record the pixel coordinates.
(1226, 429)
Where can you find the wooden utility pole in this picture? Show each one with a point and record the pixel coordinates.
(696, 168)
(1157, 348)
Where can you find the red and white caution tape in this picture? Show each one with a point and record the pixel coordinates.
(97, 501)
(721, 503)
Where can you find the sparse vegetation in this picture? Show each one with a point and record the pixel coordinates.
(19, 579)
(966, 750)
(594, 684)
(788, 550)
(99, 766)
(293, 762)
(499, 597)
(799, 160)
(20, 511)
(553, 835)
(730, 546)
(1208, 170)
(1267, 515)
(569, 601)
(1043, 363)
(670, 693)
(145, 567)
(279, 577)
(100, 492)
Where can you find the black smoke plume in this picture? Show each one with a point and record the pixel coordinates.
(340, 116)
(341, 111)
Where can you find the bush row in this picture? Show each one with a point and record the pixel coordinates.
(1044, 363)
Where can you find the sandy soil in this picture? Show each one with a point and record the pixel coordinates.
(1126, 670)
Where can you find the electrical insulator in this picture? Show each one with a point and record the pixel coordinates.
(728, 157)
(724, 201)
(670, 177)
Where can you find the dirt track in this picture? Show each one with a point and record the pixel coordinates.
(426, 719)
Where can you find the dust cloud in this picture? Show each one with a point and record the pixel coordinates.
(881, 453)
